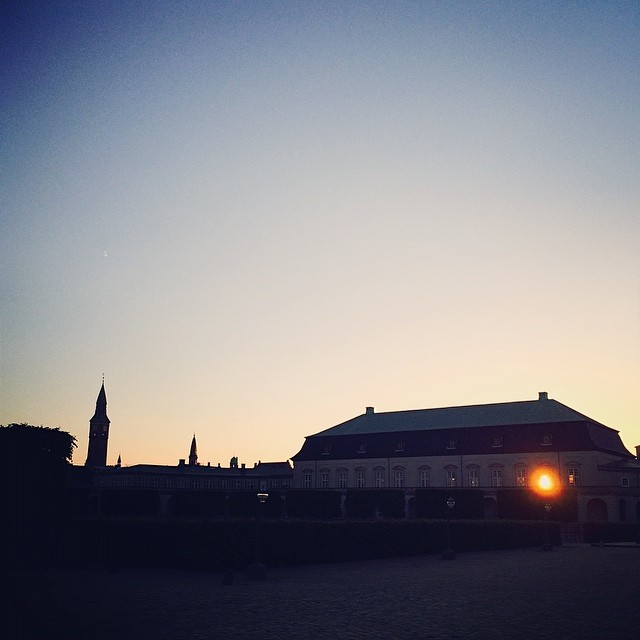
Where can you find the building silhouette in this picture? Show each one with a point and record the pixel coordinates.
(168, 481)
(488, 448)
(493, 450)
(99, 432)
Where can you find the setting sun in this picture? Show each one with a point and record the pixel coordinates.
(545, 482)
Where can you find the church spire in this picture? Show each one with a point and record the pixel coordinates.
(99, 432)
(193, 452)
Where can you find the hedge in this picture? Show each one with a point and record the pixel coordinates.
(217, 545)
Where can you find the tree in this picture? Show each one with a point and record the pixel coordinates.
(35, 462)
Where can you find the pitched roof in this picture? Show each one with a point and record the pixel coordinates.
(482, 415)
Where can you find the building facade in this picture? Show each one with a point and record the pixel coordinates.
(484, 447)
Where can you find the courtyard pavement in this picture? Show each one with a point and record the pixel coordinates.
(576, 592)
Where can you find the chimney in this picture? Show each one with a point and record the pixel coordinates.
(370, 410)
(543, 395)
(638, 451)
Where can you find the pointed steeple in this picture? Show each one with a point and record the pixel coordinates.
(101, 405)
(99, 432)
(193, 452)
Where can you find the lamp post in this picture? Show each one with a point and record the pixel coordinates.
(256, 570)
(449, 553)
(547, 485)
(547, 542)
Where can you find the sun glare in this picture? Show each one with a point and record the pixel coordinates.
(545, 483)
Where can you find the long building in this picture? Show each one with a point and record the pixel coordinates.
(485, 447)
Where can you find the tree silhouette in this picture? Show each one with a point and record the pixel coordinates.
(35, 462)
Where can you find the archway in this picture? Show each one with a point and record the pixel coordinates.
(490, 508)
(597, 510)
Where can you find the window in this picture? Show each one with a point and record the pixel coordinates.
(423, 477)
(250, 485)
(360, 478)
(400, 446)
(496, 477)
(624, 481)
(195, 483)
(327, 450)
(275, 484)
(362, 448)
(574, 476)
(154, 481)
(342, 478)
(547, 439)
(182, 482)
(473, 476)
(237, 484)
(379, 477)
(398, 477)
(497, 441)
(622, 510)
(452, 477)
(224, 484)
(521, 477)
(285, 484)
(324, 479)
(307, 479)
(453, 443)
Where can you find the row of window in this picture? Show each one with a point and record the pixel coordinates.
(167, 482)
(496, 442)
(397, 478)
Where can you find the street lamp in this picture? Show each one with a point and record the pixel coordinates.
(547, 486)
(256, 570)
(547, 542)
(449, 553)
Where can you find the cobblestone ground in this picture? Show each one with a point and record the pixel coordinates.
(576, 592)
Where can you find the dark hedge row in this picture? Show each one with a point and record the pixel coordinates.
(596, 532)
(217, 545)
(511, 504)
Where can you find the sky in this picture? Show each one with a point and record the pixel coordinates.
(257, 218)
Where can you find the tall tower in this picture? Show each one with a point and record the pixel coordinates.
(193, 453)
(98, 432)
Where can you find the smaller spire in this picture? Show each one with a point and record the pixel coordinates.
(119, 463)
(193, 452)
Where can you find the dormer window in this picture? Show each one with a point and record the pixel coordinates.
(497, 441)
(327, 450)
(453, 443)
(400, 446)
(547, 439)
(362, 448)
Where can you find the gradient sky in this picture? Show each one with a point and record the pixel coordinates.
(257, 218)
